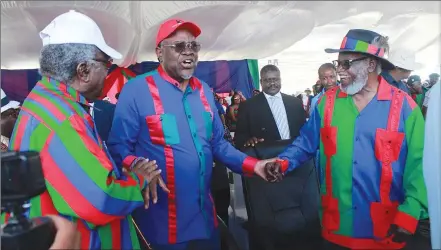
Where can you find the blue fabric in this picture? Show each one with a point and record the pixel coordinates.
(431, 163)
(364, 172)
(220, 109)
(193, 155)
(386, 75)
(213, 243)
(18, 83)
(103, 117)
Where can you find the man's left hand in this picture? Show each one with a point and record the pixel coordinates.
(261, 168)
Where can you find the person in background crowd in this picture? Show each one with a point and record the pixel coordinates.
(404, 62)
(220, 109)
(317, 88)
(256, 92)
(416, 89)
(83, 184)
(431, 163)
(373, 192)
(306, 99)
(242, 97)
(170, 116)
(232, 112)
(328, 79)
(9, 114)
(433, 78)
(229, 97)
(271, 115)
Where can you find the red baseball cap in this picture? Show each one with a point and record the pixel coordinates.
(170, 26)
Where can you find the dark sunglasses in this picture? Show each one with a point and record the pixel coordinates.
(346, 64)
(181, 46)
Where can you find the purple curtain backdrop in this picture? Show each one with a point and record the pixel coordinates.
(222, 76)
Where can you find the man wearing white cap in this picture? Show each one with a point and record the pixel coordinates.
(83, 183)
(404, 62)
(9, 115)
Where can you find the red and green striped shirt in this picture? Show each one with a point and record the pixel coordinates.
(83, 183)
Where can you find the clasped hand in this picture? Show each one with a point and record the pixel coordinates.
(270, 169)
(150, 171)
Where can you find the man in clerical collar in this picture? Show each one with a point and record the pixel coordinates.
(9, 114)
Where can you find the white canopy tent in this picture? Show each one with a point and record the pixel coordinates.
(294, 33)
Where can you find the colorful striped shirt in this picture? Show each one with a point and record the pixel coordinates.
(183, 132)
(372, 162)
(83, 183)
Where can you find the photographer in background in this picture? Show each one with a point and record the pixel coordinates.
(9, 114)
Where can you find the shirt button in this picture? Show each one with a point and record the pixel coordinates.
(194, 135)
(355, 162)
(357, 138)
(200, 153)
(189, 116)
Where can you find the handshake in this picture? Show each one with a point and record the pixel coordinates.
(271, 170)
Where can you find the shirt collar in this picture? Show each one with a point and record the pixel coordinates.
(193, 82)
(278, 95)
(64, 90)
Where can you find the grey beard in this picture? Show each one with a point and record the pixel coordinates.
(359, 82)
(186, 77)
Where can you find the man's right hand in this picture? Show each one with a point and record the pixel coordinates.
(150, 171)
(252, 141)
(273, 171)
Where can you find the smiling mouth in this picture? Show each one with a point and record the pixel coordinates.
(188, 64)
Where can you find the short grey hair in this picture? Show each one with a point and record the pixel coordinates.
(381, 42)
(60, 61)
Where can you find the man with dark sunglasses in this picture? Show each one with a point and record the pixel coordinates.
(370, 136)
(170, 116)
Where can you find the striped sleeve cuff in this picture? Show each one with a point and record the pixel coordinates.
(248, 165)
(127, 162)
(406, 221)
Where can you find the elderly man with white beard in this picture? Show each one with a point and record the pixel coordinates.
(370, 136)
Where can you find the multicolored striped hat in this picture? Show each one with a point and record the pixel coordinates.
(361, 41)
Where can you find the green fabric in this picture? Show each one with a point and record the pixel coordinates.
(415, 203)
(419, 100)
(208, 121)
(193, 129)
(170, 129)
(253, 67)
(348, 113)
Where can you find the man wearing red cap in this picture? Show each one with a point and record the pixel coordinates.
(170, 116)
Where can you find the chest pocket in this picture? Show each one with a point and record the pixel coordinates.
(163, 129)
(208, 123)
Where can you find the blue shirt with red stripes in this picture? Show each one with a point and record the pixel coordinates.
(183, 132)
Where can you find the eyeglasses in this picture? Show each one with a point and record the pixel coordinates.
(270, 80)
(107, 63)
(181, 46)
(346, 64)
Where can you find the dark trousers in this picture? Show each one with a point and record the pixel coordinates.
(420, 240)
(221, 199)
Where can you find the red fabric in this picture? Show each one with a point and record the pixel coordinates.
(127, 162)
(157, 135)
(382, 215)
(362, 244)
(114, 83)
(115, 228)
(84, 233)
(248, 165)
(214, 211)
(405, 221)
(284, 165)
(170, 26)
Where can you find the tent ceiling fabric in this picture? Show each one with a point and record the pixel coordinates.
(293, 32)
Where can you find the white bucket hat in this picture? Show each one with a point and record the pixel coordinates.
(404, 59)
(74, 27)
(8, 104)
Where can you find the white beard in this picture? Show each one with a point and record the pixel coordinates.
(359, 82)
